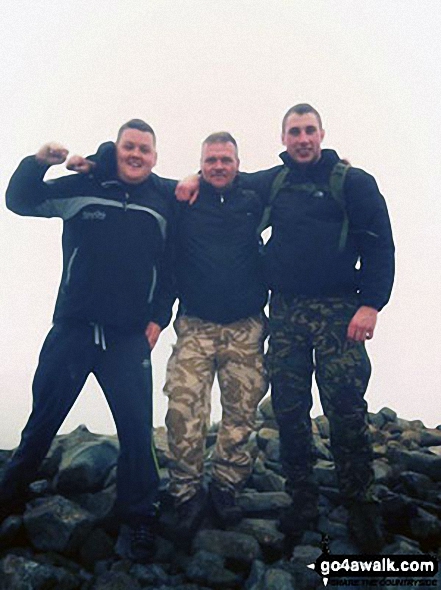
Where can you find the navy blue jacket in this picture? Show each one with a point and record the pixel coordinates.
(302, 257)
(114, 238)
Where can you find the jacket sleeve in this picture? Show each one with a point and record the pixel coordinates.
(261, 181)
(28, 194)
(370, 227)
(27, 190)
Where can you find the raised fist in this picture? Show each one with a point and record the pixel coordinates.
(51, 153)
(80, 164)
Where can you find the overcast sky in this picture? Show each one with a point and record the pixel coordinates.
(74, 71)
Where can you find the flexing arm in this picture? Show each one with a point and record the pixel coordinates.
(27, 191)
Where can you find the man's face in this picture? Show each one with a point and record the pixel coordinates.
(219, 163)
(302, 137)
(135, 155)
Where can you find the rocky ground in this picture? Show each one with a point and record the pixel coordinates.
(65, 539)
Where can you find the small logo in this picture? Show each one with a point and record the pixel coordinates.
(93, 215)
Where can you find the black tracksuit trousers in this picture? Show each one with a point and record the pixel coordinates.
(120, 361)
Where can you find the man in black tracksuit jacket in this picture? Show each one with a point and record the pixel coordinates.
(107, 315)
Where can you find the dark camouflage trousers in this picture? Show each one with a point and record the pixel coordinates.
(203, 349)
(306, 336)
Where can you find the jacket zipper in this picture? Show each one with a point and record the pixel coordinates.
(69, 265)
(153, 287)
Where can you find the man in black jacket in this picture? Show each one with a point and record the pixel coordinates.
(221, 330)
(107, 316)
(330, 266)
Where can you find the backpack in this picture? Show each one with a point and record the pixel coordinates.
(336, 181)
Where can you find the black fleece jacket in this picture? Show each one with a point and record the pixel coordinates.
(302, 257)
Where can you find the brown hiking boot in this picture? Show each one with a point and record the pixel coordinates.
(190, 515)
(224, 505)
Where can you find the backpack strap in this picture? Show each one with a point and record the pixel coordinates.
(336, 182)
(275, 188)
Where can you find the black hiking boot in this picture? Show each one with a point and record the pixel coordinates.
(12, 504)
(137, 543)
(224, 505)
(299, 517)
(366, 526)
(190, 515)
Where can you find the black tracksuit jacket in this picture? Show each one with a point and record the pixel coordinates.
(114, 243)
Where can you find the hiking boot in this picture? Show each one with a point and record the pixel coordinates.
(190, 515)
(224, 505)
(137, 543)
(299, 517)
(12, 505)
(366, 527)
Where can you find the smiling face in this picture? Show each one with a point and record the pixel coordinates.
(135, 155)
(219, 163)
(302, 137)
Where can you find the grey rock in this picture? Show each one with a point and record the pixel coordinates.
(100, 504)
(430, 437)
(321, 449)
(425, 526)
(116, 581)
(306, 553)
(257, 572)
(334, 530)
(264, 531)
(324, 472)
(420, 462)
(56, 524)
(268, 481)
(272, 450)
(415, 484)
(382, 470)
(151, 573)
(343, 546)
(264, 435)
(388, 414)
(97, 546)
(10, 530)
(377, 420)
(40, 487)
(263, 502)
(85, 467)
(231, 545)
(402, 546)
(208, 568)
(19, 573)
(277, 578)
(266, 408)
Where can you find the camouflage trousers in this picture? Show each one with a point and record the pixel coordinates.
(203, 349)
(306, 336)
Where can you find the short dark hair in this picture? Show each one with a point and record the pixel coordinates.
(138, 124)
(301, 109)
(220, 137)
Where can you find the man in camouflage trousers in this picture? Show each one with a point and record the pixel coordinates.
(326, 294)
(220, 331)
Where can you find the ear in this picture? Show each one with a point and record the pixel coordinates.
(322, 134)
(155, 159)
